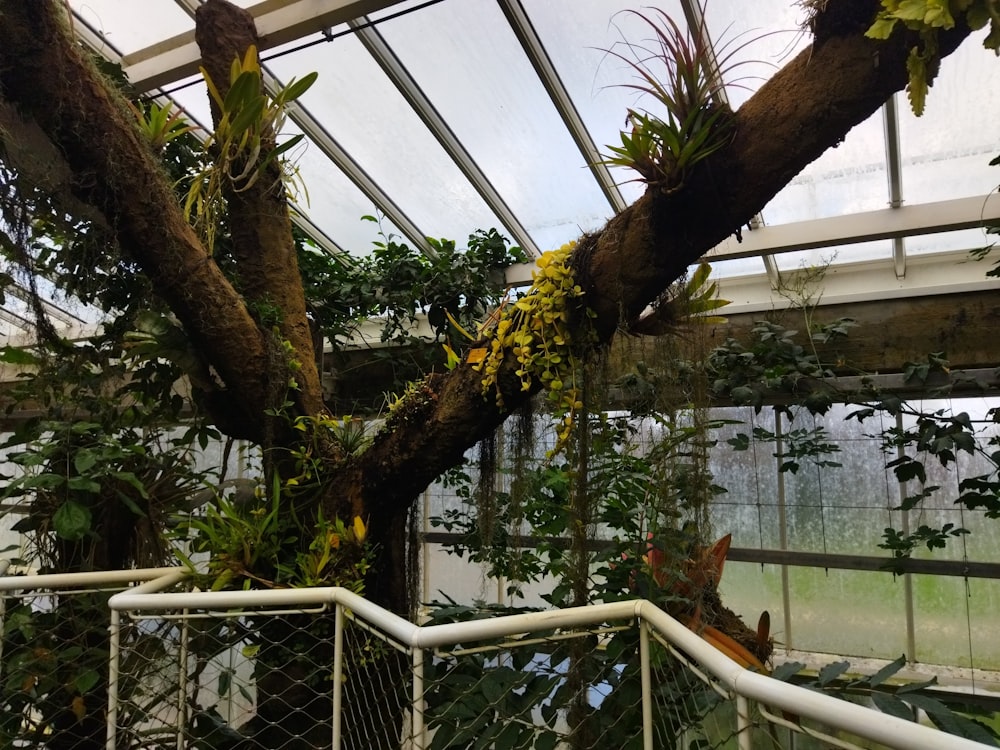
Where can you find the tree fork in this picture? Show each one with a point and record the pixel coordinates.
(805, 108)
(44, 73)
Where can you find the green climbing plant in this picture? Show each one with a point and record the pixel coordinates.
(929, 18)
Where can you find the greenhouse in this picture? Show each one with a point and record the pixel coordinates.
(514, 375)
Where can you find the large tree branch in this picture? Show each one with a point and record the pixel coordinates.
(259, 224)
(804, 109)
(44, 73)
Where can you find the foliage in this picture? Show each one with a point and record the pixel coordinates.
(242, 145)
(395, 283)
(691, 120)
(775, 367)
(639, 501)
(577, 692)
(101, 468)
(54, 671)
(929, 18)
(899, 698)
(538, 330)
(257, 542)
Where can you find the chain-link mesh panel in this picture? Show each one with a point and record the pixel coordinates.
(377, 688)
(580, 689)
(53, 669)
(255, 680)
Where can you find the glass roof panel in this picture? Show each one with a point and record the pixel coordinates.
(576, 36)
(131, 26)
(359, 106)
(753, 48)
(846, 179)
(335, 204)
(965, 239)
(946, 152)
(466, 59)
(724, 269)
(825, 256)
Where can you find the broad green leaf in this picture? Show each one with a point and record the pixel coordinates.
(71, 521)
(295, 89)
(84, 460)
(831, 672)
(16, 355)
(86, 680)
(83, 484)
(890, 704)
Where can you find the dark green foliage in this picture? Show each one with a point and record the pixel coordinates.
(889, 694)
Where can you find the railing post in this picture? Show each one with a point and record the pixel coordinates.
(182, 679)
(647, 686)
(417, 706)
(114, 643)
(338, 673)
(744, 726)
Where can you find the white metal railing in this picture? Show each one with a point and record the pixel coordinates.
(760, 703)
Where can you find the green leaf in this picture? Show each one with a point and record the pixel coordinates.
(890, 704)
(295, 89)
(787, 670)
(831, 672)
(917, 88)
(881, 29)
(84, 460)
(87, 680)
(71, 521)
(15, 355)
(83, 484)
(886, 672)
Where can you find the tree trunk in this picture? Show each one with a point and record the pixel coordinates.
(804, 109)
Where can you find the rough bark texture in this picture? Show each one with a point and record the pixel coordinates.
(46, 76)
(259, 224)
(803, 110)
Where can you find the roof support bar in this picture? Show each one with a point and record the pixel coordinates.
(535, 50)
(277, 23)
(411, 91)
(894, 172)
(866, 226)
(316, 133)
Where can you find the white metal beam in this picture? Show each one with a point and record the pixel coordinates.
(278, 22)
(941, 273)
(886, 223)
(894, 172)
(425, 110)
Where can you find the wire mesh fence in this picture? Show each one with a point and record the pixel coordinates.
(160, 667)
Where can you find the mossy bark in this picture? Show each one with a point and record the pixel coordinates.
(807, 107)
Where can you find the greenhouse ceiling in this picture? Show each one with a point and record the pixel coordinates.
(446, 116)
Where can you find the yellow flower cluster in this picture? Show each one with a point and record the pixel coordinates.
(536, 330)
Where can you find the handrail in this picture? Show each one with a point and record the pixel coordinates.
(888, 730)
(95, 578)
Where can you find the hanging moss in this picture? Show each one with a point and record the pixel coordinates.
(486, 489)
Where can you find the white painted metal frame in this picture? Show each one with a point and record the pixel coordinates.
(150, 598)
